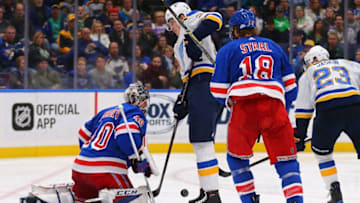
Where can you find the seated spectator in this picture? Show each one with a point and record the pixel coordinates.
(270, 32)
(339, 30)
(333, 46)
(281, 22)
(87, 48)
(53, 26)
(117, 65)
(18, 21)
(82, 16)
(9, 7)
(65, 40)
(95, 7)
(270, 9)
(315, 11)
(98, 33)
(148, 36)
(143, 61)
(304, 22)
(160, 46)
(299, 58)
(45, 77)
(38, 50)
(224, 32)
(146, 46)
(126, 12)
(120, 36)
(352, 22)
(175, 81)
(154, 76)
(102, 78)
(66, 10)
(113, 15)
(169, 58)
(9, 49)
(297, 45)
(329, 20)
(159, 26)
(17, 75)
(39, 13)
(319, 34)
(84, 80)
(335, 5)
(3, 22)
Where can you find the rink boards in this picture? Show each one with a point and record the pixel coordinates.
(46, 122)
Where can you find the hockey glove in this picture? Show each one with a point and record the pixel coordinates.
(192, 50)
(180, 108)
(142, 166)
(299, 141)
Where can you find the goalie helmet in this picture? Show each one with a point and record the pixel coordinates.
(315, 54)
(137, 94)
(179, 8)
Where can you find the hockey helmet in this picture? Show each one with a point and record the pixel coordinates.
(179, 8)
(244, 18)
(137, 94)
(315, 54)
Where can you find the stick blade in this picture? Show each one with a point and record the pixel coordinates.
(156, 192)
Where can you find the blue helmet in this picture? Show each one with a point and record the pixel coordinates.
(243, 18)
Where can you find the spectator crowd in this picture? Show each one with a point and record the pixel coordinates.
(105, 34)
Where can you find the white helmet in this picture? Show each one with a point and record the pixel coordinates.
(136, 94)
(316, 53)
(179, 8)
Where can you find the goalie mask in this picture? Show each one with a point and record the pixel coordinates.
(315, 54)
(137, 94)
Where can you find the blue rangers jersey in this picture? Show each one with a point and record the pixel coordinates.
(327, 84)
(253, 65)
(105, 143)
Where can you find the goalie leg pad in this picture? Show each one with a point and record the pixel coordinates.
(289, 173)
(242, 177)
(207, 165)
(327, 168)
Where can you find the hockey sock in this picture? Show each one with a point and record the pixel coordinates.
(242, 177)
(327, 169)
(289, 173)
(207, 165)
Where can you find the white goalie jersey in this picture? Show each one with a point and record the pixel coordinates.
(328, 84)
(192, 21)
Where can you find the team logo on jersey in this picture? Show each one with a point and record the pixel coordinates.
(23, 116)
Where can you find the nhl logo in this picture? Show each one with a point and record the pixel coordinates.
(23, 116)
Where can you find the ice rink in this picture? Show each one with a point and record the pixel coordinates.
(16, 176)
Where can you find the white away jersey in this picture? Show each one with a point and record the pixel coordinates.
(192, 21)
(327, 84)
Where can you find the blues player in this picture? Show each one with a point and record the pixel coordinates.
(106, 150)
(200, 105)
(331, 87)
(254, 78)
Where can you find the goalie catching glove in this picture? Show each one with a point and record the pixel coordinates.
(141, 166)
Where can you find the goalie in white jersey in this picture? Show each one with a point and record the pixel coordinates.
(201, 106)
(331, 87)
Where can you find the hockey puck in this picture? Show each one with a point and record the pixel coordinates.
(184, 192)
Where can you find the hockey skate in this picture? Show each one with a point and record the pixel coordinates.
(335, 193)
(207, 197)
(255, 198)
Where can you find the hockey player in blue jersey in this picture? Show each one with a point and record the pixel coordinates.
(200, 105)
(331, 87)
(106, 150)
(254, 78)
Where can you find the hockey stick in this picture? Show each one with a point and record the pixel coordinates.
(266, 158)
(156, 192)
(193, 37)
(121, 108)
